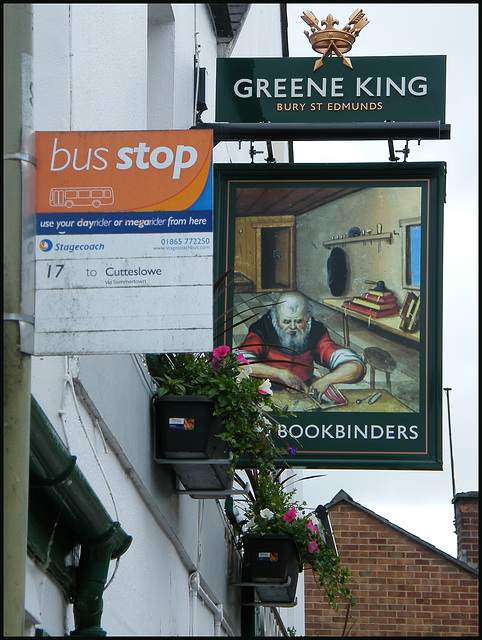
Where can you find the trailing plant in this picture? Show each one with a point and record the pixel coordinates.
(249, 417)
(243, 402)
(272, 509)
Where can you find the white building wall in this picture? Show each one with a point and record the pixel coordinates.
(160, 70)
(52, 61)
(130, 67)
(109, 66)
(260, 37)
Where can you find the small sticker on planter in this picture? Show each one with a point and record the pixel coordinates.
(183, 424)
(266, 556)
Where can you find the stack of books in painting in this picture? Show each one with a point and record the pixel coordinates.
(375, 304)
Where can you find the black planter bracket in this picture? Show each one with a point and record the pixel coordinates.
(195, 461)
(210, 493)
(263, 584)
(271, 604)
(264, 603)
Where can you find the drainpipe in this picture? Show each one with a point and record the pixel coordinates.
(323, 516)
(56, 471)
(90, 580)
(217, 609)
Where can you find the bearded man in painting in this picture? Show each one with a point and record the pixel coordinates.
(287, 342)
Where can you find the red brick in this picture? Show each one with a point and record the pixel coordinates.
(403, 588)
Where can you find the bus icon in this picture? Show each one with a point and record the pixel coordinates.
(81, 197)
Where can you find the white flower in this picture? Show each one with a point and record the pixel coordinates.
(249, 524)
(265, 387)
(266, 513)
(244, 373)
(314, 520)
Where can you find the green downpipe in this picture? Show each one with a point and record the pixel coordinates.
(55, 470)
(91, 579)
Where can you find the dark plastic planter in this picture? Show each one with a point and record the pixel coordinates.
(186, 430)
(272, 563)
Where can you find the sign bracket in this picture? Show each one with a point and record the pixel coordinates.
(227, 131)
(392, 157)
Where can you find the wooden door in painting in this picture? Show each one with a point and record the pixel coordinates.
(275, 258)
(265, 254)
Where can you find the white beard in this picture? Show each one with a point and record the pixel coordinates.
(296, 342)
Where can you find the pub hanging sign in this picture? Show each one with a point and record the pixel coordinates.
(335, 297)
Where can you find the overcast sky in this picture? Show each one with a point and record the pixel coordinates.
(420, 501)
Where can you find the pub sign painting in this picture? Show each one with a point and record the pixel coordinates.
(335, 296)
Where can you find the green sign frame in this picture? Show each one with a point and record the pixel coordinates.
(377, 89)
(325, 207)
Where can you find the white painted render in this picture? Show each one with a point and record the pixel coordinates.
(100, 67)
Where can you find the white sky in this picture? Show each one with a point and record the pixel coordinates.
(420, 501)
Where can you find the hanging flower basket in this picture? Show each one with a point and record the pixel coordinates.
(272, 563)
(240, 403)
(279, 539)
(187, 431)
(186, 428)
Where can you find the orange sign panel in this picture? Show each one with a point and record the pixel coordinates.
(121, 170)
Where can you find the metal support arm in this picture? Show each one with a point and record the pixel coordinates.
(226, 131)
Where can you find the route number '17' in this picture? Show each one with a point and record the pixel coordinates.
(59, 268)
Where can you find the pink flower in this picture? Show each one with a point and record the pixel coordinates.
(218, 353)
(290, 515)
(222, 351)
(310, 526)
(312, 546)
(241, 359)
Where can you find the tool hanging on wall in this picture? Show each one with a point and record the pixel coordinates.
(379, 230)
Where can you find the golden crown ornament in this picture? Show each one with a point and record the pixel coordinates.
(331, 40)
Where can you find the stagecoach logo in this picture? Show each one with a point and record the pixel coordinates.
(45, 244)
(331, 41)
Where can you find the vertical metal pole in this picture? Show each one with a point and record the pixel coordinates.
(16, 431)
(285, 52)
(450, 443)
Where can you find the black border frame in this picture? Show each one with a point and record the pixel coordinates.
(432, 175)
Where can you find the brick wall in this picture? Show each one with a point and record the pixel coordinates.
(404, 587)
(467, 527)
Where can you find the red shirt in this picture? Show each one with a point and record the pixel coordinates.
(321, 346)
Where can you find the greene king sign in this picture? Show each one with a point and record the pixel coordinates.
(399, 88)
